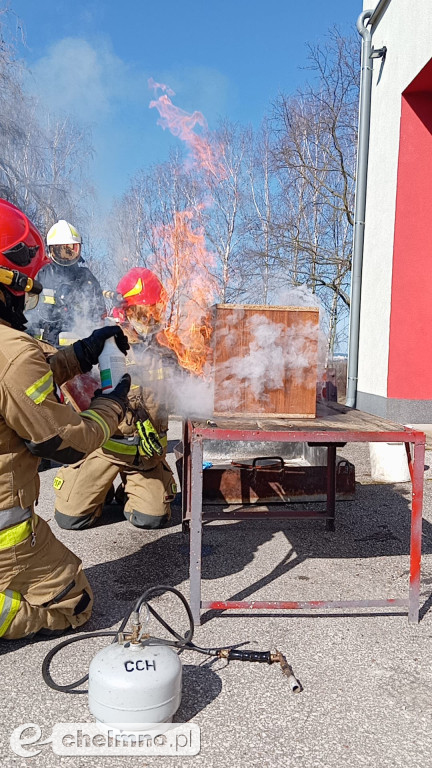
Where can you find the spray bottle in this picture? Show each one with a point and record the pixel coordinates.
(112, 362)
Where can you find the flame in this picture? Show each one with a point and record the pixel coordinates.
(191, 289)
(207, 155)
(184, 262)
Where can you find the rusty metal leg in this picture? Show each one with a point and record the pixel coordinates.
(410, 461)
(416, 532)
(331, 486)
(186, 478)
(196, 489)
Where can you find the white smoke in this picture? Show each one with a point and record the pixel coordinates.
(192, 396)
(84, 323)
(165, 382)
(302, 296)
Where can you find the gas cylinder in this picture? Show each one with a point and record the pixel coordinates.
(132, 684)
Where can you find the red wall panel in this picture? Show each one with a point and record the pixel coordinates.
(410, 349)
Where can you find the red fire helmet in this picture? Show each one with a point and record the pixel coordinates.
(21, 245)
(141, 287)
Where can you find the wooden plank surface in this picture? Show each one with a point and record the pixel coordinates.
(332, 417)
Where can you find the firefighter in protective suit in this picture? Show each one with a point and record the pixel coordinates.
(71, 296)
(137, 450)
(42, 585)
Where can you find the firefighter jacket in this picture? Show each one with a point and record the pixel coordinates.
(71, 298)
(152, 368)
(34, 423)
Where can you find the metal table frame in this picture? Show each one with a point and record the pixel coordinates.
(334, 425)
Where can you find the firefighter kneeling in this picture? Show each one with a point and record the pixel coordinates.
(137, 450)
(42, 585)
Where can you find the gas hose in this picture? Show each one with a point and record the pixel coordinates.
(182, 642)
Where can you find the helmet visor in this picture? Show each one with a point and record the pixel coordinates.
(65, 254)
(145, 320)
(21, 254)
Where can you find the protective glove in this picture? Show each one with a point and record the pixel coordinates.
(119, 393)
(88, 350)
(150, 442)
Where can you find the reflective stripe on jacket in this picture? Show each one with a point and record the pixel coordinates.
(34, 423)
(13, 516)
(9, 604)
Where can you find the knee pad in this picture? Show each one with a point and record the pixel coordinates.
(83, 603)
(61, 595)
(70, 523)
(141, 520)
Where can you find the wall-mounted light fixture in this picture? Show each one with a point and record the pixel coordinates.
(378, 53)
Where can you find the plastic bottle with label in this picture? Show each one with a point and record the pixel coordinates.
(112, 363)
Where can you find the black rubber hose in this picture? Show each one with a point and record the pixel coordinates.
(48, 658)
(180, 642)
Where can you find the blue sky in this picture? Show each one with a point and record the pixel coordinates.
(226, 58)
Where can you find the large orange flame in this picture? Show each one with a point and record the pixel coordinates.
(182, 251)
(191, 289)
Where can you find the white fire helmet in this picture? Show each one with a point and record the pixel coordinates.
(64, 243)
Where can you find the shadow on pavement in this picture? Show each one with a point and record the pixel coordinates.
(200, 687)
(376, 524)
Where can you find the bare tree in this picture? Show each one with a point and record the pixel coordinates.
(314, 153)
(262, 206)
(43, 158)
(224, 212)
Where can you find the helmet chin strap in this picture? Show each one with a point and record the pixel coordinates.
(12, 306)
(12, 309)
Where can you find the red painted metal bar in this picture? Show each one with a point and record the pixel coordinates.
(416, 528)
(294, 605)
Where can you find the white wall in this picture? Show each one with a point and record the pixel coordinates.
(406, 30)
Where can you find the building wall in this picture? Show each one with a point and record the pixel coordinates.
(390, 298)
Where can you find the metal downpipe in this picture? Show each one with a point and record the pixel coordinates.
(360, 204)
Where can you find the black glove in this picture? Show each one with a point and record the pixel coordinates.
(119, 393)
(88, 350)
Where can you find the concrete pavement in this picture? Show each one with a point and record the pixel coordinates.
(367, 680)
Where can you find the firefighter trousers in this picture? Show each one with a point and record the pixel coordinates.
(43, 586)
(81, 490)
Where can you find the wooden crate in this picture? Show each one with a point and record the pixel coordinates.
(265, 360)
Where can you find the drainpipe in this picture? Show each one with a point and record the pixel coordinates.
(360, 204)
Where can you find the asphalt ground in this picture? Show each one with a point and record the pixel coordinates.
(366, 675)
